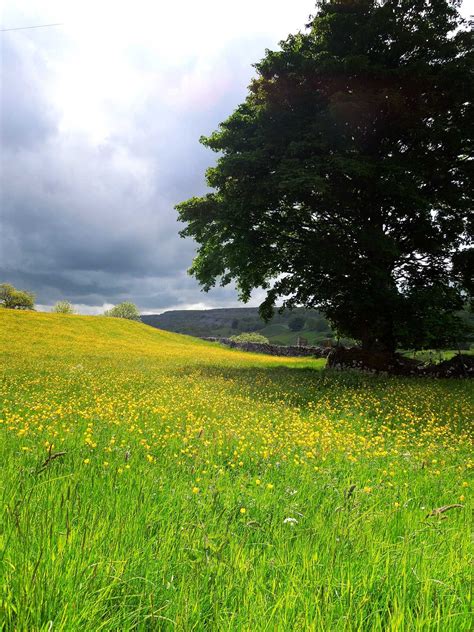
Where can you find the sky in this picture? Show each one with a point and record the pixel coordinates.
(100, 119)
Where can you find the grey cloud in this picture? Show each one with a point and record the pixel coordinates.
(96, 224)
(26, 118)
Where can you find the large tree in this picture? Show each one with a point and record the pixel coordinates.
(344, 181)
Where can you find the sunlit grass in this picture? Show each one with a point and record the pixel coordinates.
(206, 489)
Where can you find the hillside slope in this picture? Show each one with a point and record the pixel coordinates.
(233, 321)
(44, 335)
(62, 333)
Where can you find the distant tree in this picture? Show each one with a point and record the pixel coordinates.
(344, 181)
(63, 307)
(235, 324)
(297, 323)
(250, 337)
(250, 324)
(11, 298)
(124, 310)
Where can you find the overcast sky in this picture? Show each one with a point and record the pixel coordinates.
(99, 125)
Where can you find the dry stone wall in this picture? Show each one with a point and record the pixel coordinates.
(276, 350)
(460, 366)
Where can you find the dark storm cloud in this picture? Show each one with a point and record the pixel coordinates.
(96, 224)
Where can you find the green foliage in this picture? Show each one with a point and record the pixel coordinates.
(250, 337)
(467, 339)
(297, 323)
(124, 310)
(343, 180)
(63, 307)
(11, 298)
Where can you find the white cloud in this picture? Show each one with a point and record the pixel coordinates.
(107, 57)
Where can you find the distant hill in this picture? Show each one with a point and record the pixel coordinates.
(280, 330)
(233, 321)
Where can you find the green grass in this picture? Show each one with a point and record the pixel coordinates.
(291, 337)
(436, 355)
(207, 489)
(272, 330)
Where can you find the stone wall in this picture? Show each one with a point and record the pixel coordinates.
(276, 350)
(460, 366)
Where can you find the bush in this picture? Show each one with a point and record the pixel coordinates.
(250, 337)
(297, 323)
(11, 298)
(63, 307)
(124, 310)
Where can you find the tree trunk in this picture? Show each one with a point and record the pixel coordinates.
(379, 341)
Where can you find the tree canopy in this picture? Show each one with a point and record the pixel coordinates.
(63, 307)
(344, 180)
(11, 298)
(124, 310)
(297, 323)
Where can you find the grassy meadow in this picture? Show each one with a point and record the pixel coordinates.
(152, 481)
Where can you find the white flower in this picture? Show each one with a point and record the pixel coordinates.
(290, 521)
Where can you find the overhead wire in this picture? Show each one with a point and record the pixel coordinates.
(37, 26)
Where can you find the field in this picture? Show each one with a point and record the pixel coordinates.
(151, 481)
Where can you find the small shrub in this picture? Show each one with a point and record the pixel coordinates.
(250, 337)
(63, 307)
